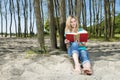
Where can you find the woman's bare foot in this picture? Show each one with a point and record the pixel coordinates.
(77, 68)
(87, 71)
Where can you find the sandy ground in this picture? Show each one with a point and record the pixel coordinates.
(17, 64)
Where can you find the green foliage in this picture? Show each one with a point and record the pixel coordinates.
(35, 52)
(117, 24)
(46, 25)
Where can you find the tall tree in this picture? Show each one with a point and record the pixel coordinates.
(39, 25)
(11, 18)
(113, 18)
(84, 14)
(14, 14)
(56, 9)
(30, 11)
(19, 19)
(93, 10)
(78, 9)
(70, 7)
(52, 24)
(90, 16)
(62, 20)
(1, 15)
(101, 18)
(108, 18)
(6, 20)
(105, 21)
(25, 11)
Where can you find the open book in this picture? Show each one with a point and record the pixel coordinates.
(81, 36)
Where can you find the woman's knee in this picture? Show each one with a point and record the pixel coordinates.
(74, 44)
(84, 55)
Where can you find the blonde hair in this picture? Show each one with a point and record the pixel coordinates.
(68, 27)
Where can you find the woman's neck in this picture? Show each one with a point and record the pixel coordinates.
(73, 30)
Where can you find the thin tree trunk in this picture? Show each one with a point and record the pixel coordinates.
(108, 19)
(113, 19)
(84, 14)
(56, 8)
(1, 14)
(14, 18)
(101, 28)
(90, 17)
(11, 7)
(19, 20)
(6, 12)
(39, 24)
(105, 21)
(52, 24)
(30, 10)
(93, 29)
(70, 5)
(62, 12)
(78, 9)
(25, 6)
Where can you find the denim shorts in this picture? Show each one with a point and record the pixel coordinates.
(83, 54)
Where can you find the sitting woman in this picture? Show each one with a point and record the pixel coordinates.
(77, 49)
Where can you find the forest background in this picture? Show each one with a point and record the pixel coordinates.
(28, 18)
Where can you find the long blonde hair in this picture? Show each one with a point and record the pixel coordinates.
(68, 27)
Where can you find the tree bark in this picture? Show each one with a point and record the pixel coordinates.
(52, 24)
(62, 20)
(14, 18)
(113, 19)
(1, 15)
(105, 21)
(78, 9)
(19, 20)
(6, 20)
(10, 8)
(39, 24)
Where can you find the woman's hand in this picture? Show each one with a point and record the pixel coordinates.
(82, 43)
(67, 41)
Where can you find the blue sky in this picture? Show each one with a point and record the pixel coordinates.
(45, 15)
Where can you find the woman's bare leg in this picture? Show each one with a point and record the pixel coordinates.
(76, 62)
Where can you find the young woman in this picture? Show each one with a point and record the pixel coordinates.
(77, 49)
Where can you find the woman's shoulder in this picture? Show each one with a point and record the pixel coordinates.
(67, 31)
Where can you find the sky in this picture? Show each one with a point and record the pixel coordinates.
(45, 15)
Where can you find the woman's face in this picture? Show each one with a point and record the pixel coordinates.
(73, 22)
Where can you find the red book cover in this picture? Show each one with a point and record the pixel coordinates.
(81, 36)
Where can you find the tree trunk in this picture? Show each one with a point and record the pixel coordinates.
(14, 18)
(52, 24)
(25, 6)
(90, 17)
(39, 24)
(6, 12)
(30, 10)
(19, 20)
(78, 9)
(105, 21)
(113, 19)
(108, 19)
(10, 8)
(84, 14)
(1, 15)
(100, 28)
(70, 7)
(62, 20)
(93, 29)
